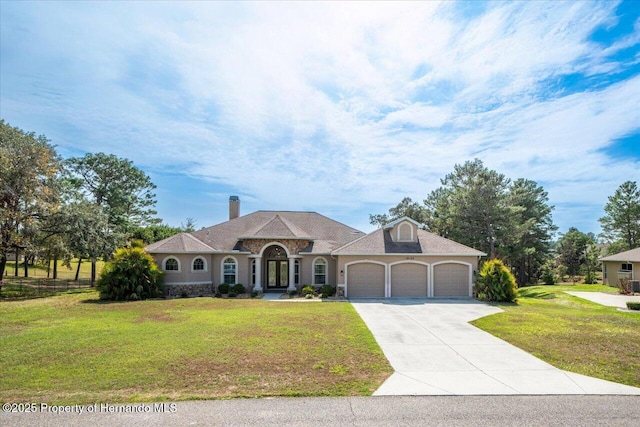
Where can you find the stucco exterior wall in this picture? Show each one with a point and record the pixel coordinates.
(612, 272)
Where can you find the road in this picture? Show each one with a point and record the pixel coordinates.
(561, 410)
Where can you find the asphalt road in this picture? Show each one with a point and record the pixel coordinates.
(562, 410)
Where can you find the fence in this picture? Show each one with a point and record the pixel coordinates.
(18, 288)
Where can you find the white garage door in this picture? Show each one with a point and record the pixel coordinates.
(365, 280)
(451, 280)
(409, 280)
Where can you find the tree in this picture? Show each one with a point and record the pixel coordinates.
(591, 262)
(29, 167)
(132, 275)
(496, 283)
(471, 207)
(532, 230)
(621, 223)
(406, 207)
(124, 191)
(573, 246)
(154, 233)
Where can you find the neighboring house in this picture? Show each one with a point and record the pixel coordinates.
(620, 266)
(284, 250)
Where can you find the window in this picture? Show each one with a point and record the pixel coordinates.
(171, 264)
(198, 264)
(627, 267)
(229, 271)
(319, 271)
(296, 274)
(253, 271)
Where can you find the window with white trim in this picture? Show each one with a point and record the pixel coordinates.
(320, 271)
(626, 267)
(198, 265)
(171, 264)
(405, 232)
(229, 271)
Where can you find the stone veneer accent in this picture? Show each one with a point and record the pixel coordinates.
(294, 246)
(176, 290)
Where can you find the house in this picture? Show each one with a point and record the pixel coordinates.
(285, 250)
(620, 266)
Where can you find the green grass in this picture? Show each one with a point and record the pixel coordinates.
(40, 272)
(571, 333)
(73, 349)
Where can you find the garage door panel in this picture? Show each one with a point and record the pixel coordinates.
(451, 280)
(409, 280)
(365, 280)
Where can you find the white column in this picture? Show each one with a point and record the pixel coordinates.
(292, 274)
(258, 286)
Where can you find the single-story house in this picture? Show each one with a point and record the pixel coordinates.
(286, 250)
(620, 266)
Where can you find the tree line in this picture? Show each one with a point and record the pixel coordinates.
(512, 221)
(83, 207)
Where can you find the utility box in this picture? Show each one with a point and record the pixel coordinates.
(635, 286)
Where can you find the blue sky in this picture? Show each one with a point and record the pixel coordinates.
(339, 108)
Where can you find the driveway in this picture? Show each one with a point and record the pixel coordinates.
(611, 300)
(435, 351)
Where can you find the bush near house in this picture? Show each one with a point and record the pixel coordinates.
(223, 288)
(132, 275)
(496, 283)
(308, 290)
(631, 305)
(327, 291)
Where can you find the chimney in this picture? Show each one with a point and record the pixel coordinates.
(234, 207)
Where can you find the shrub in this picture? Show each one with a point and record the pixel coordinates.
(254, 294)
(293, 293)
(308, 290)
(632, 305)
(132, 275)
(232, 294)
(496, 283)
(218, 295)
(238, 288)
(549, 276)
(327, 291)
(223, 288)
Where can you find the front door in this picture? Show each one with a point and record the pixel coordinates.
(277, 266)
(278, 274)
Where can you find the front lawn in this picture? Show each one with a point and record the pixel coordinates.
(73, 349)
(571, 333)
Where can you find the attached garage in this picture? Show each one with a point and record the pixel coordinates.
(365, 279)
(451, 280)
(409, 280)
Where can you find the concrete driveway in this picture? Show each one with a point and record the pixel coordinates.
(435, 351)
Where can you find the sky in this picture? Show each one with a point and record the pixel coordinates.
(340, 108)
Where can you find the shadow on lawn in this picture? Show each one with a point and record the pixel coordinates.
(537, 293)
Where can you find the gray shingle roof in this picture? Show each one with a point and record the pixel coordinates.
(327, 234)
(379, 242)
(633, 256)
(183, 242)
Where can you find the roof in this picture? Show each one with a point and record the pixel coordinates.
(379, 242)
(183, 242)
(632, 256)
(325, 233)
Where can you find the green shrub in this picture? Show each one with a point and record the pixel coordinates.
(132, 275)
(496, 283)
(232, 294)
(549, 275)
(238, 288)
(223, 288)
(327, 291)
(254, 294)
(218, 295)
(308, 290)
(293, 293)
(633, 305)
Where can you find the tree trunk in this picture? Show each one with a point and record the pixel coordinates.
(48, 268)
(55, 267)
(15, 273)
(3, 264)
(26, 266)
(78, 269)
(93, 272)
